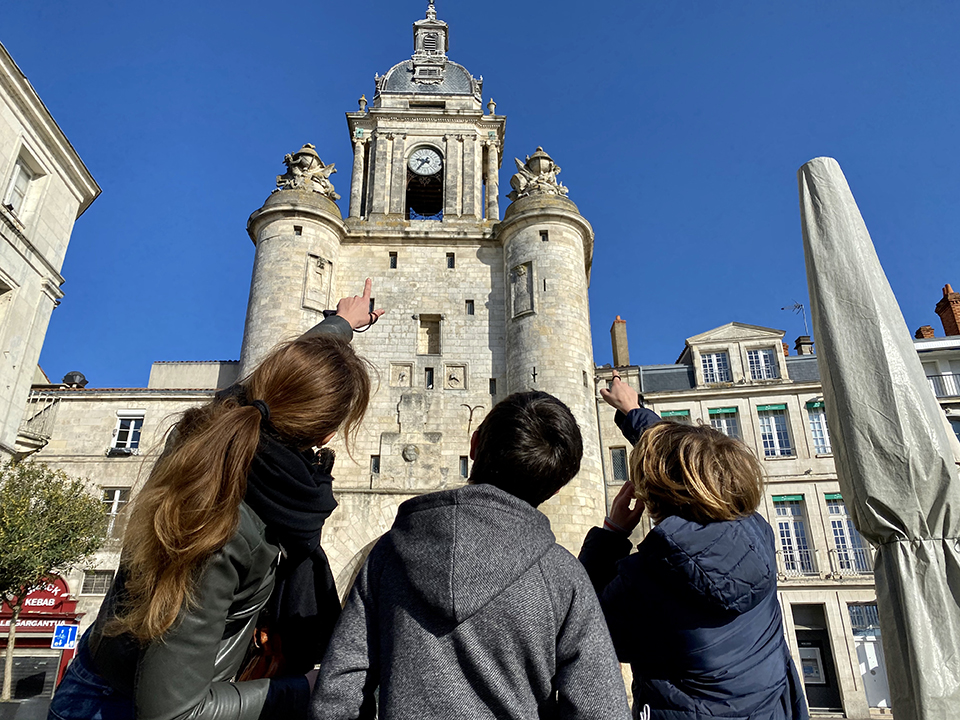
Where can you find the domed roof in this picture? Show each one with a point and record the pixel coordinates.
(456, 80)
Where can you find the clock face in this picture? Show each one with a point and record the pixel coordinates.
(425, 161)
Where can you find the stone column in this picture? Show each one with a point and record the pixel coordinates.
(451, 176)
(356, 183)
(471, 187)
(380, 162)
(399, 175)
(493, 182)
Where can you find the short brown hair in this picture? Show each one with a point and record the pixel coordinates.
(695, 472)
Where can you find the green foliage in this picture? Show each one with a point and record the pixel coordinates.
(48, 522)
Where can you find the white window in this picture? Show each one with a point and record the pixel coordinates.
(96, 582)
(818, 428)
(792, 533)
(464, 466)
(763, 364)
(18, 187)
(725, 420)
(115, 499)
(773, 431)
(716, 367)
(851, 550)
(126, 436)
(618, 459)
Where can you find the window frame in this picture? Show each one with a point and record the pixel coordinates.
(777, 448)
(714, 371)
(114, 507)
(21, 168)
(92, 575)
(131, 443)
(721, 418)
(762, 364)
(797, 557)
(621, 452)
(819, 431)
(853, 555)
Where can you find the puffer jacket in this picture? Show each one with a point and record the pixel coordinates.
(468, 608)
(695, 613)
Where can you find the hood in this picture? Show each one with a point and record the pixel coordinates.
(730, 565)
(461, 548)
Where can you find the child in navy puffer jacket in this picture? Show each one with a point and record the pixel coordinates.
(694, 611)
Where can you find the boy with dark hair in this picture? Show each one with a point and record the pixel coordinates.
(468, 608)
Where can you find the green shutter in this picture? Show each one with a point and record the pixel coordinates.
(762, 408)
(833, 496)
(720, 411)
(815, 404)
(787, 498)
(675, 413)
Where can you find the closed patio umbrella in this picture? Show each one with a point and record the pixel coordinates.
(894, 454)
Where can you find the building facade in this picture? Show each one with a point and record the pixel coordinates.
(45, 187)
(742, 380)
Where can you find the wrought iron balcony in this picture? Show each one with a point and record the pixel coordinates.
(945, 385)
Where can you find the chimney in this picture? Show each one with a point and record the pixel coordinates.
(924, 332)
(949, 311)
(786, 349)
(804, 345)
(618, 338)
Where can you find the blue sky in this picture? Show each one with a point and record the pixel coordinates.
(679, 126)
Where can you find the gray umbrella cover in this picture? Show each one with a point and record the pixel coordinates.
(894, 455)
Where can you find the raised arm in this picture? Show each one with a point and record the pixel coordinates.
(353, 313)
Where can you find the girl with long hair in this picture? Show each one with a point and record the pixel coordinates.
(226, 526)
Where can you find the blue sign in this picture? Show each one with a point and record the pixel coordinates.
(64, 637)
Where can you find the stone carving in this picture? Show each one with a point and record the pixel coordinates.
(400, 374)
(455, 377)
(316, 283)
(521, 280)
(492, 107)
(363, 103)
(536, 176)
(306, 171)
(410, 453)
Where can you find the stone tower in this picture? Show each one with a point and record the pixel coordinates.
(477, 307)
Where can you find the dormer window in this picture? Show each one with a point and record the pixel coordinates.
(716, 367)
(763, 364)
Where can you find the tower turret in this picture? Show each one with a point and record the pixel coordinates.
(297, 232)
(547, 253)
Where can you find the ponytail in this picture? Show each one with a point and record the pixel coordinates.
(190, 506)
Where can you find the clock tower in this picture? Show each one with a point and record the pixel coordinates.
(477, 306)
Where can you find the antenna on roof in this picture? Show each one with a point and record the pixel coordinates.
(798, 308)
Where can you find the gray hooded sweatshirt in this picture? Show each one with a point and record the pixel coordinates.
(468, 608)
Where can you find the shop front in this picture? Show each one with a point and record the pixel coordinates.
(41, 652)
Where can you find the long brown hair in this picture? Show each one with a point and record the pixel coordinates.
(190, 505)
(695, 472)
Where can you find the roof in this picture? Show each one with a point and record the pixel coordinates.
(456, 81)
(803, 368)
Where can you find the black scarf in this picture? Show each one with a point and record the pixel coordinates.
(291, 491)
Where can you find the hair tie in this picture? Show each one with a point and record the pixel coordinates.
(264, 410)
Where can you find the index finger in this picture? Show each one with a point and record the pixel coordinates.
(367, 285)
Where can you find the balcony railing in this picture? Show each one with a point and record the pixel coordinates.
(797, 563)
(851, 561)
(945, 385)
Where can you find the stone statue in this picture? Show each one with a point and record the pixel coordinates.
(306, 171)
(536, 176)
